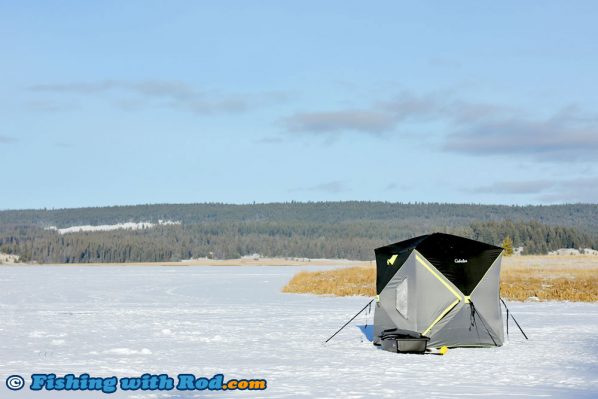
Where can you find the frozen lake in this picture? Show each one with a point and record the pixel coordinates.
(126, 321)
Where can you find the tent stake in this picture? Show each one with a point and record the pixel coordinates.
(347, 323)
(512, 317)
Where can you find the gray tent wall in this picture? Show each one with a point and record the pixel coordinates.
(453, 297)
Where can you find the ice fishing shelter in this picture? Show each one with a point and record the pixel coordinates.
(442, 286)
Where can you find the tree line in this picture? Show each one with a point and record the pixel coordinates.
(429, 215)
(348, 239)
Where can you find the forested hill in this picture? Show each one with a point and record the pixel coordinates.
(584, 216)
(314, 229)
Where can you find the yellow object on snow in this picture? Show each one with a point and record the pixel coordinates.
(443, 350)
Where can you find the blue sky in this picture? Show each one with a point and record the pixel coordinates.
(108, 103)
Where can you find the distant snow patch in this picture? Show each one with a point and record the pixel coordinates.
(216, 338)
(128, 351)
(44, 334)
(533, 299)
(109, 227)
(8, 258)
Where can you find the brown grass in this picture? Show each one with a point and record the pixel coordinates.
(340, 282)
(548, 278)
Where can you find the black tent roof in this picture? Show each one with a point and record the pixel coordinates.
(463, 261)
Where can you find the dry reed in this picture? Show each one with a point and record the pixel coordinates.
(541, 278)
(340, 282)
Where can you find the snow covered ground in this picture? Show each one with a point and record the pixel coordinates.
(109, 227)
(126, 321)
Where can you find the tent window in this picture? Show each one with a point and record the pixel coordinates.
(402, 296)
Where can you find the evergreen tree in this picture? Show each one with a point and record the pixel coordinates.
(507, 245)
